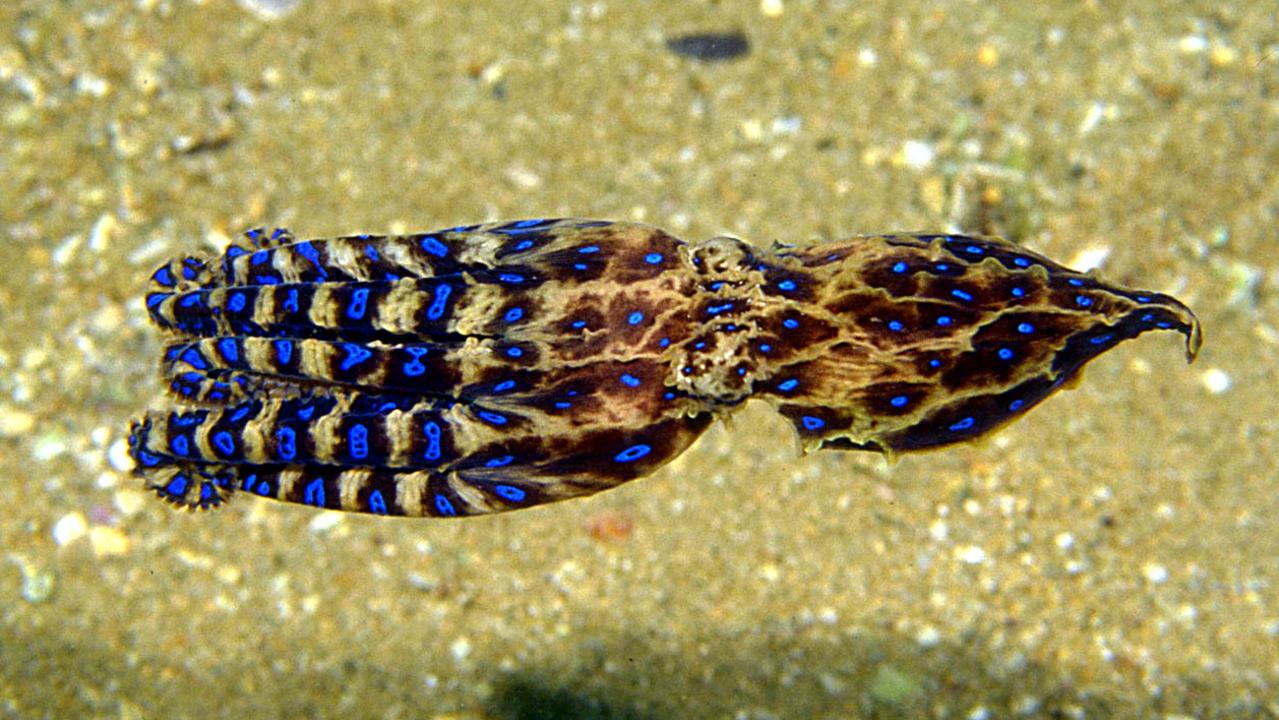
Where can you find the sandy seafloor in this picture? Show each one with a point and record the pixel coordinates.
(1114, 554)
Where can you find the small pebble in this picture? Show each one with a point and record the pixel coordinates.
(710, 47)
(38, 582)
(69, 528)
(15, 422)
(118, 456)
(1215, 380)
(772, 8)
(970, 554)
(1155, 573)
(917, 154)
(108, 541)
(461, 649)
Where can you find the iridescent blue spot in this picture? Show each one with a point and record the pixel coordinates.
(944, 320)
(444, 507)
(291, 300)
(578, 324)
(509, 492)
(267, 279)
(513, 314)
(377, 503)
(1025, 328)
(241, 412)
(514, 352)
(286, 443)
(963, 424)
(895, 325)
(741, 371)
(156, 298)
(966, 297)
(433, 246)
(1076, 282)
(193, 358)
(236, 302)
(1147, 317)
(653, 258)
(147, 459)
(717, 309)
(1102, 339)
(563, 405)
(974, 250)
(589, 249)
(812, 423)
(633, 453)
(1163, 324)
(765, 348)
(499, 461)
(1083, 300)
(511, 278)
(934, 363)
(358, 441)
(630, 380)
(195, 299)
(790, 323)
(314, 493)
(900, 267)
(669, 395)
(371, 253)
(263, 488)
(308, 251)
(531, 222)
(306, 412)
(579, 266)
(635, 318)
(164, 277)
(664, 342)
(260, 257)
(1005, 354)
(1018, 292)
(1143, 298)
(177, 487)
(899, 401)
(942, 267)
(786, 285)
(359, 303)
(492, 417)
(355, 354)
(206, 492)
(1016, 405)
(699, 345)
(283, 351)
(180, 445)
(247, 483)
(523, 245)
(788, 385)
(224, 442)
(1021, 262)
(439, 304)
(431, 430)
(503, 386)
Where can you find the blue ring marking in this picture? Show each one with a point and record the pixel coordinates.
(966, 297)
(359, 304)
(632, 453)
(513, 314)
(195, 299)
(370, 251)
(1021, 262)
(291, 300)
(1075, 282)
(1025, 328)
(899, 401)
(283, 351)
(786, 285)
(944, 320)
(1018, 292)
(492, 417)
(444, 507)
(439, 305)
(263, 488)
(239, 414)
(187, 420)
(653, 258)
(224, 442)
(766, 348)
(314, 493)
(236, 303)
(790, 323)
(1015, 405)
(180, 445)
(156, 298)
(578, 324)
(432, 431)
(717, 309)
(504, 386)
(1102, 339)
(788, 385)
(589, 249)
(147, 459)
(498, 462)
(511, 278)
(963, 424)
(900, 267)
(355, 354)
(895, 325)
(434, 247)
(286, 445)
(635, 318)
(414, 367)
(358, 441)
(630, 380)
(812, 423)
(177, 487)
(563, 405)
(1083, 300)
(514, 352)
(377, 503)
(1005, 354)
(510, 492)
(164, 277)
(523, 245)
(193, 358)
